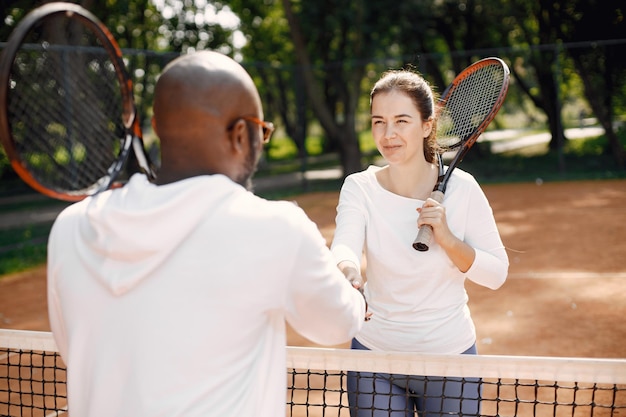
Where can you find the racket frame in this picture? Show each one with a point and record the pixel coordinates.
(425, 232)
(133, 136)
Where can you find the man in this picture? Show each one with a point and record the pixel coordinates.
(170, 299)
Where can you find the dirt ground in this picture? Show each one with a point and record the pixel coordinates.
(566, 291)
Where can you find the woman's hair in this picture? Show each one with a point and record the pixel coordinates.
(422, 95)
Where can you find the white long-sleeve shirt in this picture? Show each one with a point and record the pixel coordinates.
(417, 299)
(171, 300)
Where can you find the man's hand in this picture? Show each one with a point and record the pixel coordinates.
(353, 275)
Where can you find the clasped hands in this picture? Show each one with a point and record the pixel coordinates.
(353, 276)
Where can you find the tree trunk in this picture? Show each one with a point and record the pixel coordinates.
(350, 153)
(344, 134)
(599, 97)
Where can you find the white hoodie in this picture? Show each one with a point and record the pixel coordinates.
(171, 300)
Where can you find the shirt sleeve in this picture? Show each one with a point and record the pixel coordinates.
(351, 224)
(490, 267)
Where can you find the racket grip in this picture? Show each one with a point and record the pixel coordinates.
(425, 233)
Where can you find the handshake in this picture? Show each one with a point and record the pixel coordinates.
(353, 276)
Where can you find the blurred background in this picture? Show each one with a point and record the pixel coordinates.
(314, 62)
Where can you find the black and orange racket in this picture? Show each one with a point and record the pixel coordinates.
(68, 121)
(465, 109)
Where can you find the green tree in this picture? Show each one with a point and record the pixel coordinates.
(312, 58)
(533, 28)
(602, 67)
(329, 38)
(270, 60)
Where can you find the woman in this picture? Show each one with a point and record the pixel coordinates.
(417, 300)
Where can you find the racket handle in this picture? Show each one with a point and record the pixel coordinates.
(425, 233)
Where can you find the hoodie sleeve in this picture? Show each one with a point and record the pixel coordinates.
(321, 305)
(55, 315)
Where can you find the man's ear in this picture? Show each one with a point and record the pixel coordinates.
(238, 136)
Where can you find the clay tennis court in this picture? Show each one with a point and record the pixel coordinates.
(566, 291)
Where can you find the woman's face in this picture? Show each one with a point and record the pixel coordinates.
(398, 128)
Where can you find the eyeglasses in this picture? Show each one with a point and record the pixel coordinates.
(268, 127)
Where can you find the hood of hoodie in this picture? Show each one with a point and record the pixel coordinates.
(128, 232)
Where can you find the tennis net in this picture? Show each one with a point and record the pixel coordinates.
(32, 382)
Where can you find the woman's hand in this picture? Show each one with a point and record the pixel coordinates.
(460, 253)
(433, 213)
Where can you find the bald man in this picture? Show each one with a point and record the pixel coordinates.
(198, 107)
(170, 298)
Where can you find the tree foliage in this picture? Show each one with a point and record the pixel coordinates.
(602, 67)
(315, 60)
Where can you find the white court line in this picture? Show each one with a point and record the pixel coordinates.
(568, 275)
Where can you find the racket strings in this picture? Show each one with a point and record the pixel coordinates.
(468, 105)
(65, 106)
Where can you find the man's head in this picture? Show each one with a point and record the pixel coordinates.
(208, 117)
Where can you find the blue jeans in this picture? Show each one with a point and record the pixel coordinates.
(394, 395)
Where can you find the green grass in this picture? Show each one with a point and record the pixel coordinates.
(25, 247)
(580, 159)
(30, 202)
(282, 148)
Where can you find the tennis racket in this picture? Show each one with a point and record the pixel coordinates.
(465, 109)
(68, 121)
